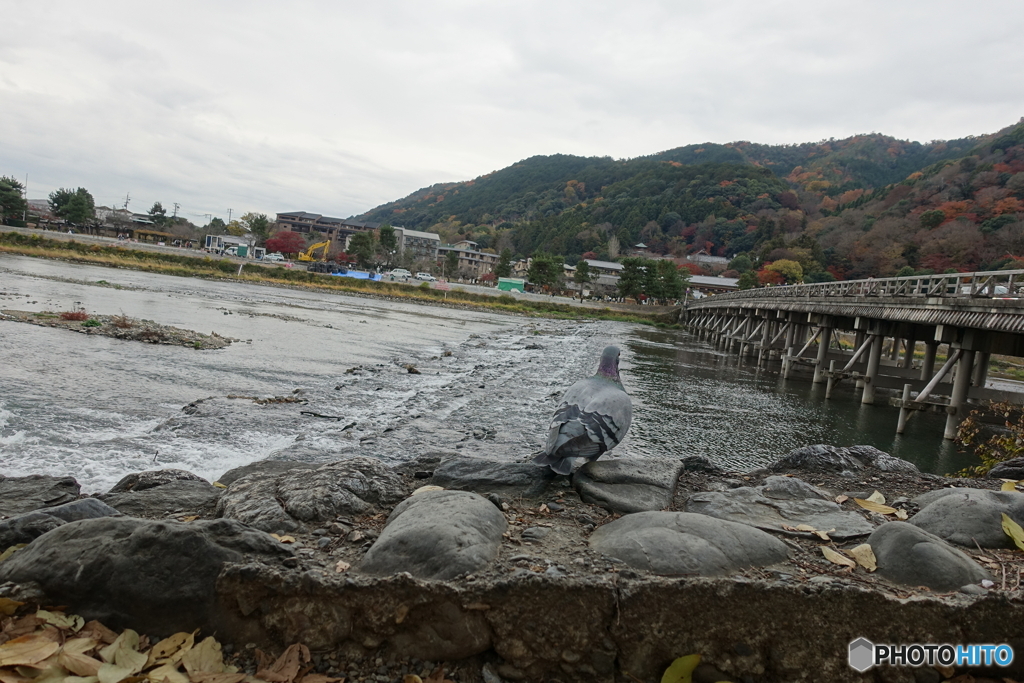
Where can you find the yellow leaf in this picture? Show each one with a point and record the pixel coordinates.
(128, 638)
(875, 507)
(112, 673)
(79, 646)
(190, 518)
(681, 670)
(10, 551)
(165, 672)
(204, 658)
(1009, 485)
(836, 557)
(219, 485)
(865, 556)
(27, 650)
(1014, 531)
(79, 664)
(8, 607)
(72, 622)
(284, 539)
(877, 497)
(169, 646)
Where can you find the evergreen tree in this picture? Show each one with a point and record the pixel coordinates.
(12, 201)
(74, 206)
(504, 267)
(633, 277)
(545, 269)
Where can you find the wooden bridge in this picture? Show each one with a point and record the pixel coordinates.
(970, 316)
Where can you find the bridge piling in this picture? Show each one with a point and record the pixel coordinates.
(871, 375)
(954, 413)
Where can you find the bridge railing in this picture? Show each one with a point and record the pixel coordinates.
(998, 284)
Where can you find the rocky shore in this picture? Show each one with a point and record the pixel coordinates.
(120, 327)
(507, 572)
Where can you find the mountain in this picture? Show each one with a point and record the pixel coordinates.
(868, 205)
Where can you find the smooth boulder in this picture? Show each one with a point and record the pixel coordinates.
(27, 494)
(911, 556)
(438, 535)
(967, 516)
(678, 543)
(284, 501)
(263, 468)
(837, 460)
(155, 577)
(172, 497)
(781, 502)
(140, 481)
(1008, 469)
(31, 525)
(484, 476)
(628, 484)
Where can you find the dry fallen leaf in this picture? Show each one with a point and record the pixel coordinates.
(401, 613)
(342, 566)
(219, 485)
(205, 657)
(842, 499)
(411, 678)
(11, 550)
(320, 678)
(71, 622)
(94, 629)
(73, 658)
(284, 539)
(169, 646)
(1009, 485)
(875, 507)
(865, 556)
(217, 678)
(190, 518)
(1014, 531)
(836, 557)
(877, 497)
(165, 672)
(286, 668)
(27, 650)
(901, 513)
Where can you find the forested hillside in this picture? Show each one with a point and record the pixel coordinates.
(868, 205)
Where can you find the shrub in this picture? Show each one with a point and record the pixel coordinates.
(74, 315)
(92, 322)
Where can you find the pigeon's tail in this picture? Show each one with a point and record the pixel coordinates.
(557, 464)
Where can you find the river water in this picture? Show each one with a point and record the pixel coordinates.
(97, 408)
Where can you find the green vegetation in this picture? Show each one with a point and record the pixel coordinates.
(1000, 446)
(12, 203)
(75, 206)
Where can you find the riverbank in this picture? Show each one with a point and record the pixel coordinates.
(505, 571)
(119, 327)
(114, 256)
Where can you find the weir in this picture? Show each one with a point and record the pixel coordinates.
(968, 316)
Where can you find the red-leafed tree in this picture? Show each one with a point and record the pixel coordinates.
(287, 242)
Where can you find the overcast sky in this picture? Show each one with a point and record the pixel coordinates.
(336, 106)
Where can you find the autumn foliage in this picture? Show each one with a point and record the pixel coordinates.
(286, 242)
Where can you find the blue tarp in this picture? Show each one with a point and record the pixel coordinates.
(359, 275)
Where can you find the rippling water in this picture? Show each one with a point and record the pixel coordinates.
(97, 408)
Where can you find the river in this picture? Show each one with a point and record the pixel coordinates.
(97, 408)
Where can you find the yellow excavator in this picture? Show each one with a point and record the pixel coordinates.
(308, 254)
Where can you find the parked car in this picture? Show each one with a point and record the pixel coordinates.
(276, 257)
(426, 277)
(400, 272)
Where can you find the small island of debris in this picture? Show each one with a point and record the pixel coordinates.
(120, 327)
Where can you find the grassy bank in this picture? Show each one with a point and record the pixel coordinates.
(114, 256)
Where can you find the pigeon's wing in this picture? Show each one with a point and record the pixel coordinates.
(593, 418)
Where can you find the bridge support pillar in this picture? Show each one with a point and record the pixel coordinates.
(958, 399)
(857, 342)
(928, 365)
(981, 369)
(823, 344)
(908, 355)
(901, 426)
(871, 376)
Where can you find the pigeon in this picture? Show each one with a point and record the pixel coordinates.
(593, 417)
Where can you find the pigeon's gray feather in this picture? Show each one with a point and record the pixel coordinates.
(592, 418)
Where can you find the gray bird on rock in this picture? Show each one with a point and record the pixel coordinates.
(593, 417)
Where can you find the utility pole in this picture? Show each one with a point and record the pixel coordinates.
(127, 198)
(176, 206)
(229, 215)
(24, 212)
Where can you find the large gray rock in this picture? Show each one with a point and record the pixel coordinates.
(675, 543)
(628, 484)
(31, 525)
(836, 460)
(781, 501)
(965, 516)
(284, 501)
(438, 535)
(264, 467)
(140, 481)
(510, 479)
(26, 494)
(1010, 469)
(910, 556)
(172, 497)
(155, 577)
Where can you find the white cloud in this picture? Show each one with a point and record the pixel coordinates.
(336, 107)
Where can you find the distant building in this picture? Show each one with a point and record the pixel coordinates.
(471, 259)
(421, 245)
(706, 283)
(703, 256)
(604, 267)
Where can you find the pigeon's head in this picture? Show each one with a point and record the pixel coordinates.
(609, 366)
